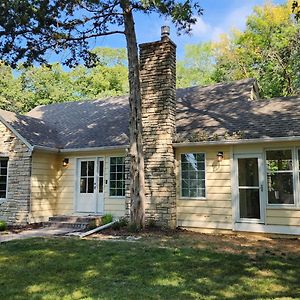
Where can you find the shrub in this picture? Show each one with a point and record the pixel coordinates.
(132, 227)
(152, 223)
(119, 224)
(3, 225)
(108, 218)
(92, 225)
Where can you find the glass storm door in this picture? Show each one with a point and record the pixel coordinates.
(249, 189)
(90, 185)
(100, 185)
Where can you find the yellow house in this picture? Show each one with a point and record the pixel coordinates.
(216, 157)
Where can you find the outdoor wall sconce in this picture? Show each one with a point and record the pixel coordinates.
(220, 156)
(65, 162)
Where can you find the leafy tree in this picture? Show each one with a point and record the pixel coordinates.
(268, 50)
(45, 85)
(30, 28)
(107, 78)
(197, 67)
(296, 9)
(25, 88)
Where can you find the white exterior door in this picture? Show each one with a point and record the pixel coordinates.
(100, 186)
(90, 179)
(249, 188)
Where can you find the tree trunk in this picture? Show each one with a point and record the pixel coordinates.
(137, 180)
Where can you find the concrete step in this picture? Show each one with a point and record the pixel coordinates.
(76, 222)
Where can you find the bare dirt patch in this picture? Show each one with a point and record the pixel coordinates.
(241, 243)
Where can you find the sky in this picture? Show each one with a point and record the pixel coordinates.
(219, 16)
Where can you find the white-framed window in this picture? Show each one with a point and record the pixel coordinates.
(192, 181)
(3, 177)
(281, 173)
(117, 177)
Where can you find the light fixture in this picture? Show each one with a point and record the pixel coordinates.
(65, 162)
(220, 155)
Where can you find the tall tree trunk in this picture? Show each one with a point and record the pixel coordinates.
(137, 178)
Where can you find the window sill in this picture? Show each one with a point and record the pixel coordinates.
(283, 206)
(117, 197)
(192, 198)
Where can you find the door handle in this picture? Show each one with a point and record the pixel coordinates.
(95, 185)
(261, 188)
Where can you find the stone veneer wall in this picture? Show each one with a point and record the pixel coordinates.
(158, 86)
(15, 208)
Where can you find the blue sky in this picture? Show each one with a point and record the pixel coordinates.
(219, 16)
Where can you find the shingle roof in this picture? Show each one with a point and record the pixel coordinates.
(227, 108)
(214, 110)
(33, 130)
(87, 124)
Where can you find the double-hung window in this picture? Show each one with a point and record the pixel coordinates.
(117, 177)
(3, 177)
(193, 175)
(280, 176)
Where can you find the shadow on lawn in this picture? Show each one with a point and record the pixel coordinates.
(74, 269)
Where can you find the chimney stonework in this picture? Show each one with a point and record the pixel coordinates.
(158, 88)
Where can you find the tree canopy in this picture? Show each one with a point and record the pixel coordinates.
(29, 29)
(27, 87)
(268, 50)
(296, 9)
(197, 66)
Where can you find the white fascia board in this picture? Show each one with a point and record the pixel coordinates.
(93, 149)
(45, 149)
(238, 142)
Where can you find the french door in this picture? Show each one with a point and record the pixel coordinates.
(90, 183)
(249, 188)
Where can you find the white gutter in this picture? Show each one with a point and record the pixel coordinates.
(238, 142)
(93, 149)
(56, 150)
(46, 149)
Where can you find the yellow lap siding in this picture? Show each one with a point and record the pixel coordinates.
(43, 186)
(283, 217)
(67, 183)
(215, 211)
(204, 224)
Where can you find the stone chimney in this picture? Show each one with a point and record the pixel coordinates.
(158, 87)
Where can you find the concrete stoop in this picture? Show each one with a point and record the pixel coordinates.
(75, 222)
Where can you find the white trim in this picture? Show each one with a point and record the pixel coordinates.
(116, 197)
(292, 171)
(98, 159)
(233, 187)
(45, 149)
(261, 228)
(261, 188)
(93, 149)
(180, 177)
(238, 142)
(78, 175)
(16, 133)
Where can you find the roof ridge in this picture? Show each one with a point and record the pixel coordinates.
(245, 80)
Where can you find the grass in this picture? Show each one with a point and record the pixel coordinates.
(155, 268)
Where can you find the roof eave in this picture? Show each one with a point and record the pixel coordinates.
(90, 149)
(16, 133)
(45, 149)
(238, 142)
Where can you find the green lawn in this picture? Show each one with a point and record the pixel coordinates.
(91, 269)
